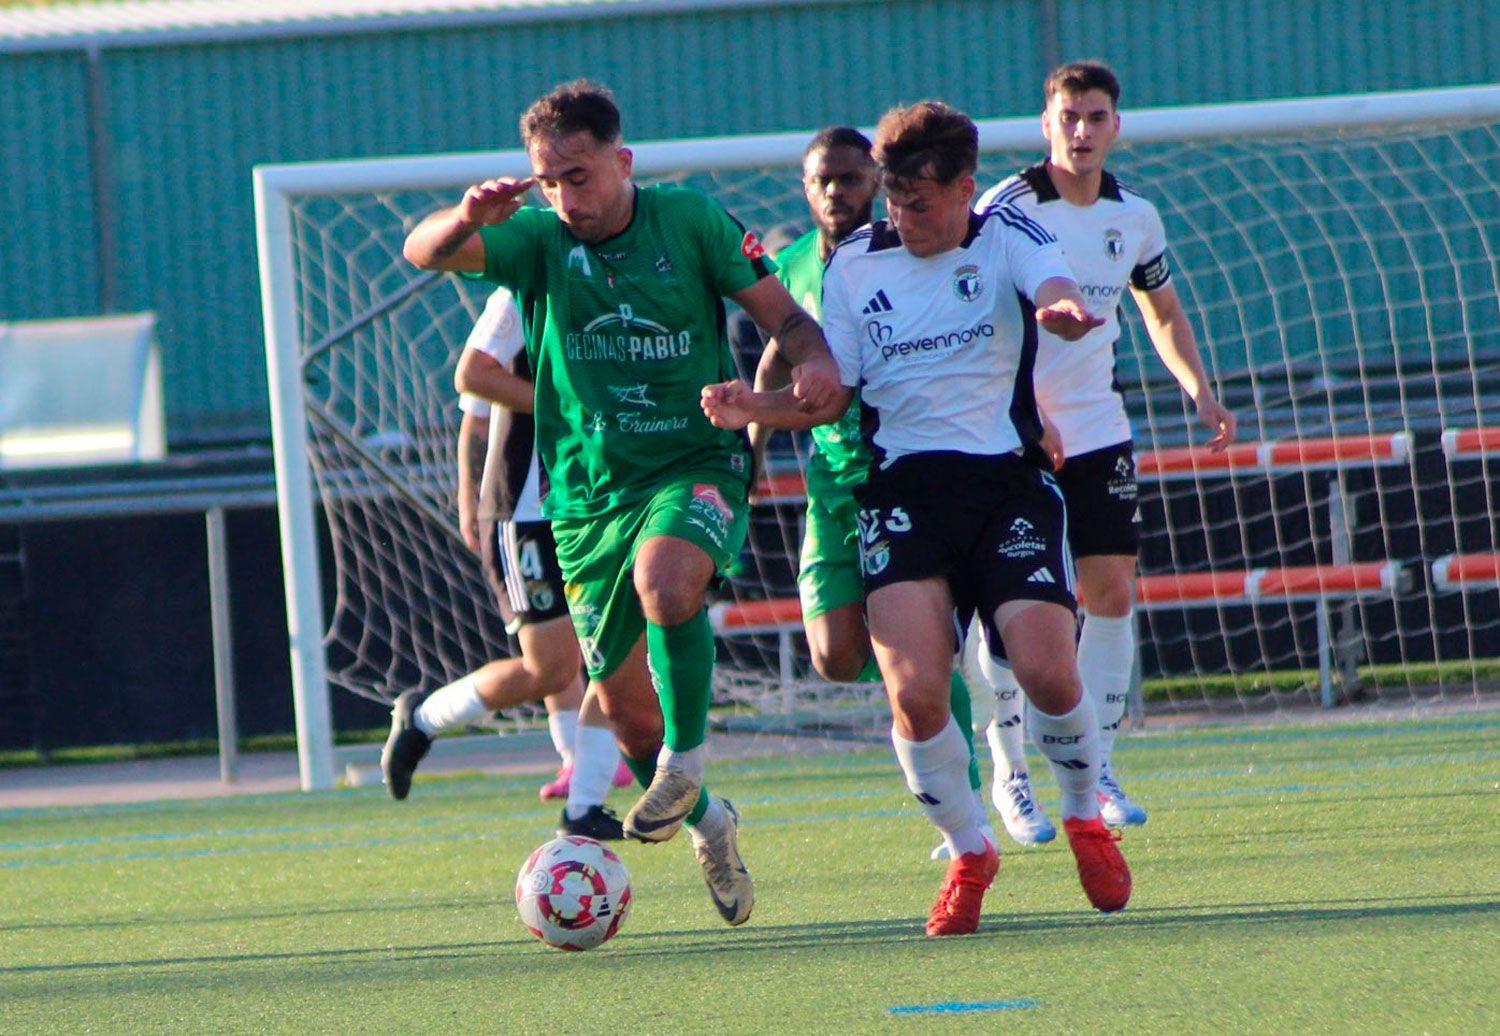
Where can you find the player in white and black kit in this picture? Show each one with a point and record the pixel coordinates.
(502, 520)
(933, 317)
(1114, 241)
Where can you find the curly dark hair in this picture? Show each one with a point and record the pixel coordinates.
(579, 106)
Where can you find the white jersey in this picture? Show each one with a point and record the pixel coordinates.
(941, 347)
(512, 473)
(1116, 242)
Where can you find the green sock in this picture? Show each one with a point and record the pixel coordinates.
(963, 715)
(645, 771)
(682, 663)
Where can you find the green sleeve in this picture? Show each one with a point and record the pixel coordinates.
(512, 249)
(733, 256)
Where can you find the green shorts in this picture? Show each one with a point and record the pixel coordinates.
(828, 575)
(597, 556)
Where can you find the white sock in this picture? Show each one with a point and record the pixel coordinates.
(711, 824)
(937, 772)
(689, 763)
(1106, 656)
(563, 726)
(982, 703)
(455, 705)
(1007, 734)
(1071, 744)
(595, 758)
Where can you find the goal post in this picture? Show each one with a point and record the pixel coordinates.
(1322, 247)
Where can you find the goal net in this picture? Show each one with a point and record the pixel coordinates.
(1340, 259)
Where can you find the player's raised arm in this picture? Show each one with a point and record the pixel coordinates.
(448, 239)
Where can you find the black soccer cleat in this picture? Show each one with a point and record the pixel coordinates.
(405, 747)
(599, 823)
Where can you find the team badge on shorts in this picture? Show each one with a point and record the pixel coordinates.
(710, 512)
(874, 557)
(967, 284)
(540, 594)
(1023, 542)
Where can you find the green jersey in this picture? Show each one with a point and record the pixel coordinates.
(841, 457)
(622, 336)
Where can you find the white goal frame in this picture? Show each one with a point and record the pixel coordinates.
(276, 185)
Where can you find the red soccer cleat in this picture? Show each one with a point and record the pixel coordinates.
(956, 911)
(624, 776)
(557, 788)
(1101, 869)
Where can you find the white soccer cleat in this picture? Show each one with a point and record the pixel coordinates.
(1114, 805)
(1020, 812)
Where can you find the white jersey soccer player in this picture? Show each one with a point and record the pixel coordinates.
(1115, 243)
(933, 317)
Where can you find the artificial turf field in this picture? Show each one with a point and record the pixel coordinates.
(1294, 879)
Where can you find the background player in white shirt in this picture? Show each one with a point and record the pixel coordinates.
(1113, 240)
(933, 317)
(515, 544)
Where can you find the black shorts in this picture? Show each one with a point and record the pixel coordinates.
(994, 527)
(520, 561)
(1101, 493)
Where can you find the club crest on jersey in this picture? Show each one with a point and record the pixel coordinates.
(1114, 243)
(751, 248)
(967, 284)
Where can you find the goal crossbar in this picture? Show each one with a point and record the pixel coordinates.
(275, 187)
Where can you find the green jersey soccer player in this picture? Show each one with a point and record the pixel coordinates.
(621, 291)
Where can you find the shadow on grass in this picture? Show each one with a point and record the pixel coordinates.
(779, 938)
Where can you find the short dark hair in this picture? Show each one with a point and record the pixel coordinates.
(1077, 77)
(580, 106)
(838, 136)
(928, 139)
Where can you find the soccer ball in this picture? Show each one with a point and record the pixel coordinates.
(573, 893)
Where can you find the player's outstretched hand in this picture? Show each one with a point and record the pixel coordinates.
(493, 201)
(815, 382)
(1220, 420)
(728, 404)
(1067, 320)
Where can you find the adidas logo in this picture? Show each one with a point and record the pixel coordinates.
(878, 304)
(1041, 575)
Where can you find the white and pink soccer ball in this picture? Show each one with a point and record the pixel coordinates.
(573, 893)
